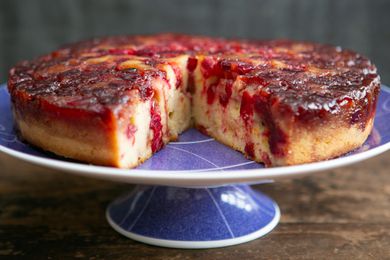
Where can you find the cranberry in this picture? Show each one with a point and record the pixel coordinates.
(147, 53)
(255, 80)
(356, 116)
(277, 138)
(179, 76)
(56, 54)
(368, 79)
(207, 67)
(202, 129)
(121, 51)
(156, 127)
(246, 109)
(225, 65)
(191, 84)
(249, 149)
(242, 67)
(225, 97)
(265, 159)
(191, 64)
(211, 93)
(210, 67)
(277, 141)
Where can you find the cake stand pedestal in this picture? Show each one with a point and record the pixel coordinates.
(193, 217)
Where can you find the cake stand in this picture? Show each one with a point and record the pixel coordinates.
(195, 192)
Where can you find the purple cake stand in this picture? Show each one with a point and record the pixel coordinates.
(195, 192)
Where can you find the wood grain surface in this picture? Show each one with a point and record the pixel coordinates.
(338, 214)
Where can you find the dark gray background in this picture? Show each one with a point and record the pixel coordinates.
(29, 28)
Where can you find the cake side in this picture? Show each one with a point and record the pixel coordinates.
(87, 137)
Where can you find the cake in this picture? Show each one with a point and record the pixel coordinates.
(116, 101)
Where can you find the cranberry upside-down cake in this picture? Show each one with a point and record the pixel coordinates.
(117, 100)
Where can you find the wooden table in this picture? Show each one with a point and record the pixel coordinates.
(338, 214)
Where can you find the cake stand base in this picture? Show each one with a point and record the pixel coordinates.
(193, 218)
